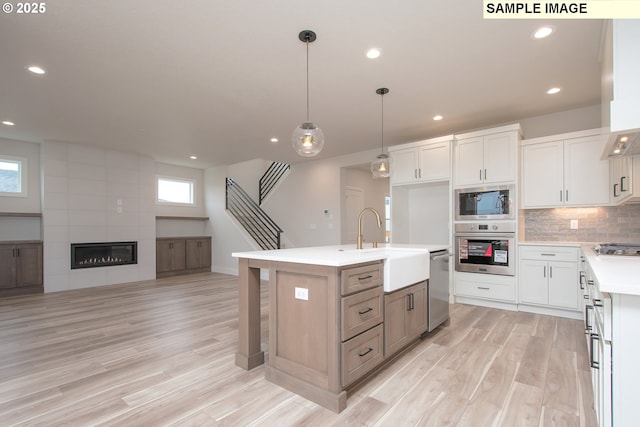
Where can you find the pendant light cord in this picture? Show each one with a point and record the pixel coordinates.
(382, 124)
(307, 43)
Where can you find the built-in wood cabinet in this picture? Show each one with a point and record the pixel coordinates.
(182, 255)
(548, 276)
(405, 317)
(565, 170)
(486, 157)
(20, 268)
(422, 161)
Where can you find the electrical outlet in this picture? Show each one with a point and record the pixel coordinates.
(573, 224)
(301, 293)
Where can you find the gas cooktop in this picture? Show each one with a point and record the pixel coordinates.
(626, 249)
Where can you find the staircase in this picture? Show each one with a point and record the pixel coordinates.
(249, 214)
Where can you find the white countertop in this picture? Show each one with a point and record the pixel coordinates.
(547, 243)
(339, 255)
(615, 274)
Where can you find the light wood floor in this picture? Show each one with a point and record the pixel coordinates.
(162, 353)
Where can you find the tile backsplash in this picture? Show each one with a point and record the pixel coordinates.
(595, 224)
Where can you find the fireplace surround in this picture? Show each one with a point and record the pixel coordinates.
(103, 254)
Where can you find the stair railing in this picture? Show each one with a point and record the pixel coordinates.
(250, 215)
(270, 178)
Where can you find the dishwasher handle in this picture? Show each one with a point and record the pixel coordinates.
(439, 255)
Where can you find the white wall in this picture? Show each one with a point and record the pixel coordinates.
(83, 187)
(248, 174)
(375, 191)
(562, 122)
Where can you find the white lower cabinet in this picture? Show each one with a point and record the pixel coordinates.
(548, 276)
(485, 287)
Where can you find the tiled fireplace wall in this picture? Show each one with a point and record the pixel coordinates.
(95, 195)
(598, 224)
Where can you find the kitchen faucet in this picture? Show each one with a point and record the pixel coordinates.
(359, 244)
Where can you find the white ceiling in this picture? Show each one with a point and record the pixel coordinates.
(219, 78)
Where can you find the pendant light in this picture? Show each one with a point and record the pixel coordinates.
(307, 139)
(381, 166)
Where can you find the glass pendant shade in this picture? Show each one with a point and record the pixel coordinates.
(381, 166)
(307, 139)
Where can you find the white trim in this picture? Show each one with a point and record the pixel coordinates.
(24, 169)
(181, 180)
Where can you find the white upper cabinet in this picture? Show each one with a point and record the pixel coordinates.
(422, 161)
(565, 170)
(486, 157)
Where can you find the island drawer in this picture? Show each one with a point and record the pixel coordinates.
(361, 311)
(361, 354)
(360, 278)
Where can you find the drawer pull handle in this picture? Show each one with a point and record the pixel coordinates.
(548, 254)
(361, 312)
(365, 277)
(597, 302)
(367, 351)
(594, 364)
(484, 288)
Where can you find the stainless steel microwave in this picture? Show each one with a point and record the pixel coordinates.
(485, 203)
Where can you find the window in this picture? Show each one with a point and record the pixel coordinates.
(175, 191)
(13, 176)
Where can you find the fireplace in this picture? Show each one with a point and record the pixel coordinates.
(90, 255)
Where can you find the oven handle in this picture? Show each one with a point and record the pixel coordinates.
(485, 235)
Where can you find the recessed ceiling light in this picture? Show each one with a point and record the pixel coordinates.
(553, 90)
(8, 123)
(193, 157)
(438, 117)
(274, 140)
(542, 32)
(36, 69)
(374, 53)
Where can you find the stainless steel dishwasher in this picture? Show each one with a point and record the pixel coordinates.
(438, 294)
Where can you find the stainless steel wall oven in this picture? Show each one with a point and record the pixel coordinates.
(485, 248)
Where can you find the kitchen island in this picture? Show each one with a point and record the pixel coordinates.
(326, 313)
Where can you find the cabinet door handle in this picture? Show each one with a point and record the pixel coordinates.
(615, 190)
(420, 173)
(367, 351)
(560, 195)
(593, 363)
(544, 271)
(480, 174)
(550, 272)
(587, 321)
(485, 174)
(483, 288)
(365, 277)
(365, 311)
(413, 306)
(408, 302)
(582, 278)
(566, 195)
(622, 182)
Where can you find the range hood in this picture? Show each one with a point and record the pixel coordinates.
(622, 143)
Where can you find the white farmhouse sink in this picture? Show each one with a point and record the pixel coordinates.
(404, 267)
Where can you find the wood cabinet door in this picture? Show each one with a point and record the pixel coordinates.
(417, 315)
(29, 265)
(164, 256)
(179, 254)
(193, 253)
(396, 329)
(586, 176)
(7, 267)
(563, 284)
(533, 282)
(468, 163)
(499, 155)
(542, 175)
